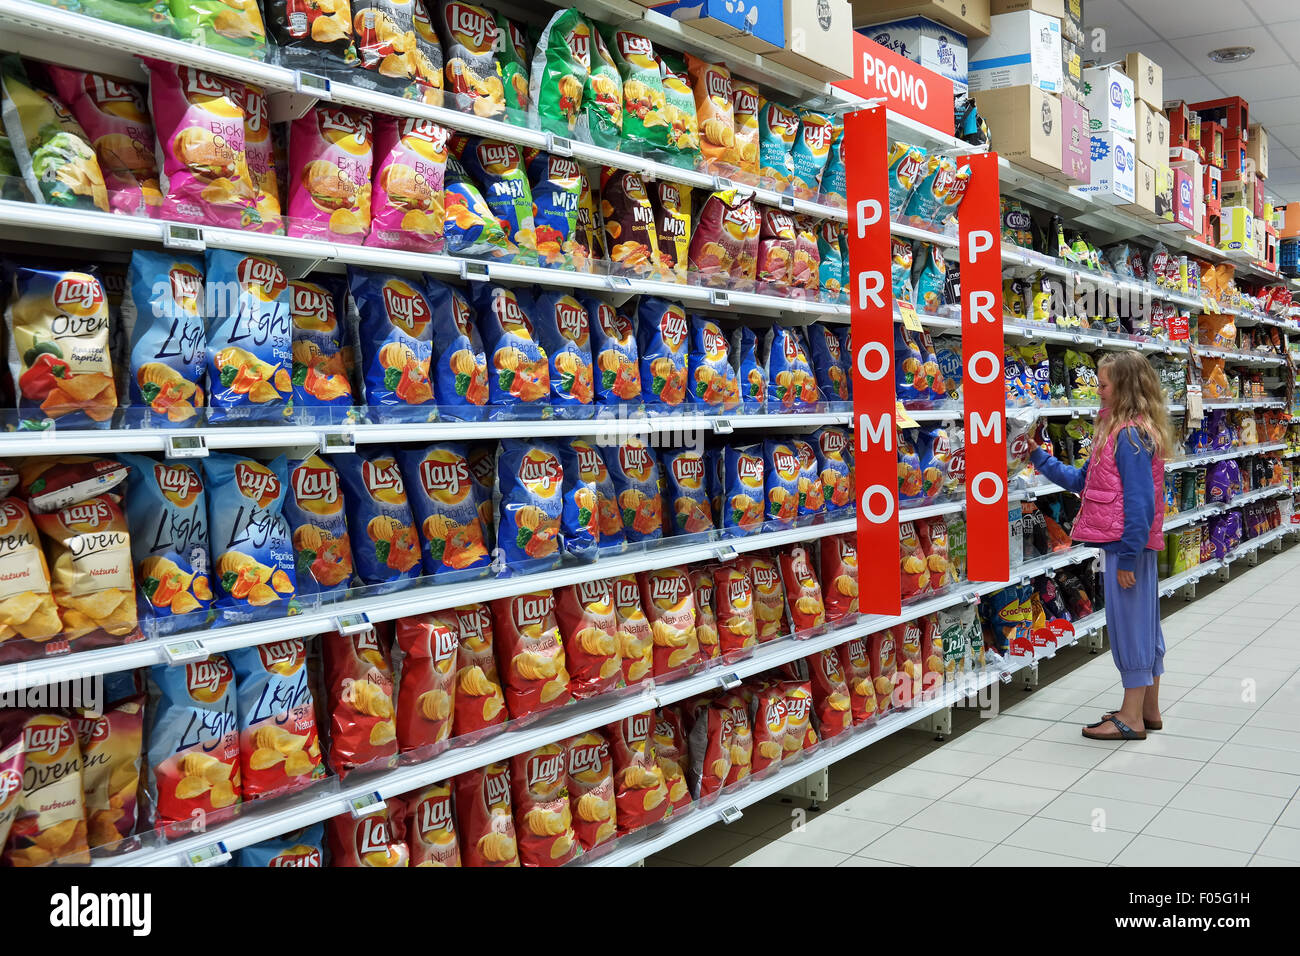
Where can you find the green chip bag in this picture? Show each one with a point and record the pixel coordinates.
(559, 76)
(602, 97)
(679, 109)
(50, 148)
(644, 120)
(514, 58)
(222, 26)
(153, 16)
(12, 186)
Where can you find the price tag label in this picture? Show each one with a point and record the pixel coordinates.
(350, 624)
(318, 86)
(729, 681)
(1179, 327)
(338, 443)
(185, 446)
(902, 419)
(475, 271)
(619, 283)
(723, 426)
(718, 297)
(559, 146)
(787, 203)
(185, 238)
(911, 320)
(730, 814)
(365, 805)
(212, 855)
(183, 652)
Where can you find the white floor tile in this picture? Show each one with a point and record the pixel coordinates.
(1219, 801)
(1261, 860)
(1042, 750)
(1009, 725)
(1126, 787)
(958, 819)
(922, 848)
(919, 783)
(1018, 856)
(1039, 709)
(1240, 755)
(827, 831)
(978, 741)
(1248, 780)
(866, 861)
(1225, 832)
(1070, 839)
(1268, 738)
(1162, 744)
(1109, 812)
(1049, 776)
(1282, 842)
(1199, 729)
(959, 762)
(786, 854)
(1290, 816)
(1012, 798)
(1202, 710)
(1133, 760)
(1160, 851)
(881, 807)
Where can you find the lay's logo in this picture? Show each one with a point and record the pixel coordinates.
(590, 465)
(704, 596)
(909, 168)
(78, 293)
(433, 815)
(366, 643)
(88, 514)
(668, 589)
(187, 286)
(588, 758)
(315, 485)
(179, 484)
(545, 770)
(637, 727)
(103, 90)
(301, 856)
(831, 667)
(424, 129)
(311, 305)
(580, 43)
(282, 656)
(509, 312)
(688, 469)
(571, 320)
(612, 324)
(405, 307)
(207, 679)
(738, 591)
(783, 122)
(742, 215)
(445, 478)
(594, 592)
(749, 468)
(718, 85)
(631, 44)
(541, 472)
(765, 577)
(472, 623)
(262, 276)
(48, 739)
(382, 475)
(496, 786)
(461, 315)
(714, 342)
(498, 157)
(531, 609)
(471, 26)
(635, 460)
(786, 464)
(255, 115)
(372, 835)
(746, 102)
(625, 594)
(202, 83)
(257, 482)
(11, 782)
(797, 708)
(672, 326)
(818, 136)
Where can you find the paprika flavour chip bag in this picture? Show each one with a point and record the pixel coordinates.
(790, 381)
(812, 494)
(635, 471)
(562, 327)
(781, 478)
(278, 744)
(684, 483)
(750, 372)
(584, 465)
(734, 609)
(392, 337)
(539, 795)
(110, 774)
(162, 315)
(712, 379)
(743, 495)
(518, 369)
(591, 789)
(479, 701)
(617, 372)
(484, 820)
(358, 677)
(49, 826)
(318, 527)
(663, 341)
(445, 503)
(829, 363)
(385, 543)
(830, 691)
(640, 794)
(589, 627)
(321, 370)
(530, 481)
(407, 206)
(530, 653)
(249, 339)
(331, 154)
(426, 694)
(457, 365)
(669, 602)
(27, 608)
(635, 640)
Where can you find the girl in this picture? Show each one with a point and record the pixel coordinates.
(1121, 484)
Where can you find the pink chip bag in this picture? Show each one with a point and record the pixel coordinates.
(331, 150)
(407, 211)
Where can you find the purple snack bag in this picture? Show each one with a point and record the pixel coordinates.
(1223, 481)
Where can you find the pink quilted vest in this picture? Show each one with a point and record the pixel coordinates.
(1101, 516)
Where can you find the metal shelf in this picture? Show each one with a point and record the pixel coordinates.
(1196, 515)
(1206, 459)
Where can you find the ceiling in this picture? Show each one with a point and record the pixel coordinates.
(1178, 34)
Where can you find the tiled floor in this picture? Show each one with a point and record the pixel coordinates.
(1220, 786)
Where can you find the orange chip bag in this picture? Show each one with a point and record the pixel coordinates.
(430, 829)
(591, 789)
(635, 643)
(855, 663)
(733, 609)
(426, 695)
(50, 825)
(839, 574)
(710, 746)
(669, 603)
(706, 618)
(745, 103)
(830, 691)
(672, 755)
(539, 793)
(769, 595)
(530, 653)
(27, 608)
(479, 699)
(767, 712)
(484, 821)
(589, 626)
(371, 840)
(713, 107)
(740, 742)
(907, 657)
(640, 794)
(802, 591)
(799, 733)
(359, 688)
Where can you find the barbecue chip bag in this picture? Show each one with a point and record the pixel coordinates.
(50, 825)
(110, 774)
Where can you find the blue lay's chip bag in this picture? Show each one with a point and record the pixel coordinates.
(834, 455)
(252, 554)
(167, 511)
(498, 169)
(829, 363)
(458, 364)
(444, 500)
(385, 547)
(279, 747)
(713, 381)
(250, 339)
(635, 470)
(562, 327)
(470, 228)
(318, 527)
(580, 520)
(662, 339)
(714, 462)
(556, 183)
(934, 202)
(743, 489)
(617, 372)
(1037, 371)
(830, 261)
(483, 469)
(582, 457)
(685, 473)
(781, 471)
(934, 466)
(911, 381)
(812, 497)
(908, 165)
(162, 316)
(518, 370)
(911, 485)
(750, 372)
(304, 848)
(791, 384)
(531, 483)
(393, 333)
(322, 372)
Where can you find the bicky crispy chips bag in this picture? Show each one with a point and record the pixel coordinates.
(713, 383)
(663, 342)
(59, 347)
(589, 627)
(635, 470)
(560, 73)
(685, 487)
(479, 701)
(484, 821)
(811, 149)
(630, 235)
(430, 826)
(385, 543)
(591, 789)
(640, 793)
(778, 126)
(116, 122)
(617, 372)
(671, 204)
(669, 601)
(518, 369)
(584, 462)
(331, 153)
(426, 695)
(318, 527)
(645, 124)
(193, 740)
(49, 825)
(498, 169)
(530, 654)
(162, 314)
(743, 494)
(540, 798)
(368, 841)
(110, 773)
(530, 482)
(358, 680)
(635, 641)
(253, 563)
(406, 209)
(249, 339)
(259, 154)
(562, 324)
(734, 609)
(392, 329)
(321, 370)
(712, 86)
(556, 183)
(445, 503)
(313, 34)
(278, 745)
(679, 109)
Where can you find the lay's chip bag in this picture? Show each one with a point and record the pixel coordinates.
(562, 326)
(331, 154)
(812, 496)
(58, 348)
(743, 489)
(636, 479)
(250, 339)
(617, 375)
(393, 341)
(835, 175)
(167, 509)
(908, 165)
(252, 554)
(829, 362)
(222, 26)
(162, 316)
(444, 500)
(27, 610)
(713, 381)
(318, 527)
(781, 471)
(750, 372)
(584, 458)
(459, 367)
(279, 747)
(483, 469)
(933, 204)
(777, 128)
(556, 183)
(530, 480)
(830, 262)
(498, 169)
(385, 546)
(790, 382)
(834, 462)
(686, 489)
(322, 366)
(301, 848)
(580, 520)
(810, 152)
(518, 370)
(407, 206)
(469, 226)
(663, 341)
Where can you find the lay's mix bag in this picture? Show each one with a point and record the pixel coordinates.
(162, 317)
(322, 367)
(562, 323)
(278, 745)
(613, 344)
(385, 547)
(393, 333)
(252, 555)
(583, 458)
(687, 490)
(663, 341)
(530, 480)
(458, 365)
(250, 339)
(441, 489)
(518, 370)
(167, 507)
(743, 495)
(636, 478)
(557, 188)
(318, 527)
(498, 169)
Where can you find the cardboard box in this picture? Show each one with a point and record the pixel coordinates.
(818, 39)
(1270, 251)
(1183, 212)
(1179, 117)
(968, 17)
(758, 26)
(1113, 172)
(1260, 202)
(1234, 158)
(1076, 144)
(1258, 247)
(1257, 149)
(1236, 229)
(933, 45)
(1152, 134)
(1212, 143)
(1212, 183)
(1148, 79)
(1164, 193)
(1072, 22)
(1022, 49)
(1051, 8)
(1108, 94)
(1144, 190)
(1072, 71)
(1025, 125)
(1232, 113)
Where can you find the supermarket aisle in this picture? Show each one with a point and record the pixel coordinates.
(1220, 786)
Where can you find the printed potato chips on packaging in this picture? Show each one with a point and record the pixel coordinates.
(630, 234)
(635, 642)
(664, 348)
(479, 700)
(397, 49)
(331, 153)
(249, 339)
(530, 654)
(42, 809)
(358, 680)
(769, 595)
(259, 154)
(602, 96)
(635, 471)
(589, 628)
(557, 184)
(110, 769)
(410, 160)
(778, 126)
(518, 369)
(671, 204)
(431, 828)
(746, 105)
(591, 789)
(445, 503)
(530, 481)
(385, 546)
(278, 745)
(561, 322)
(321, 367)
(318, 527)
(669, 602)
(392, 329)
(457, 364)
(687, 490)
(645, 124)
(313, 34)
(540, 798)
(429, 645)
(498, 169)
(743, 490)
(641, 795)
(162, 316)
(712, 86)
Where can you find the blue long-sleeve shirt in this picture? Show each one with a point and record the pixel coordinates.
(1133, 461)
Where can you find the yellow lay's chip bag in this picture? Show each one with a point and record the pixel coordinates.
(27, 611)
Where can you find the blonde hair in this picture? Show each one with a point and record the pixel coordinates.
(1136, 399)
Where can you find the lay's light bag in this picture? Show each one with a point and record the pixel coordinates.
(392, 325)
(385, 545)
(440, 486)
(162, 315)
(530, 481)
(318, 527)
(321, 371)
(250, 339)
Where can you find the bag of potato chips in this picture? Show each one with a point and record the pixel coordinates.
(373, 840)
(321, 370)
(407, 205)
(249, 339)
(58, 348)
(428, 645)
(560, 75)
(358, 681)
(27, 608)
(613, 344)
(469, 37)
(645, 125)
(484, 821)
(222, 26)
(589, 628)
(498, 169)
(430, 826)
(679, 109)
(828, 362)
(671, 204)
(562, 328)
(312, 35)
(278, 745)
(110, 774)
(556, 183)
(515, 65)
(318, 527)
(584, 463)
(713, 382)
(392, 331)
(152, 16)
(385, 548)
(479, 700)
(445, 502)
(162, 315)
(640, 793)
(686, 487)
(602, 97)
(589, 240)
(769, 595)
(635, 471)
(530, 480)
(781, 472)
(743, 494)
(790, 381)
(669, 602)
(397, 49)
(331, 152)
(663, 342)
(469, 227)
(49, 826)
(734, 609)
(803, 593)
(746, 102)
(711, 83)
(630, 233)
(778, 126)
(252, 555)
(540, 797)
(259, 154)
(298, 848)
(518, 370)
(635, 643)
(672, 755)
(530, 654)
(834, 176)
(459, 367)
(591, 789)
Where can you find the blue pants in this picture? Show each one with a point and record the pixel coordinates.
(1137, 644)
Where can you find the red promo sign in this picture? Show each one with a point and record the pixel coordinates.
(871, 297)
(1178, 326)
(908, 88)
(983, 390)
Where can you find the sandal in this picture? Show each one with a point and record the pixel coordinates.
(1150, 724)
(1125, 731)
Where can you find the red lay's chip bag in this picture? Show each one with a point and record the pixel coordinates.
(368, 841)
(907, 655)
(635, 642)
(740, 744)
(430, 827)
(855, 663)
(479, 699)
(830, 692)
(767, 717)
(359, 688)
(710, 746)
(589, 626)
(669, 603)
(591, 789)
(733, 598)
(672, 754)
(803, 593)
(799, 733)
(484, 821)
(706, 619)
(540, 795)
(640, 794)
(884, 667)
(13, 755)
(530, 653)
(839, 571)
(768, 594)
(426, 697)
